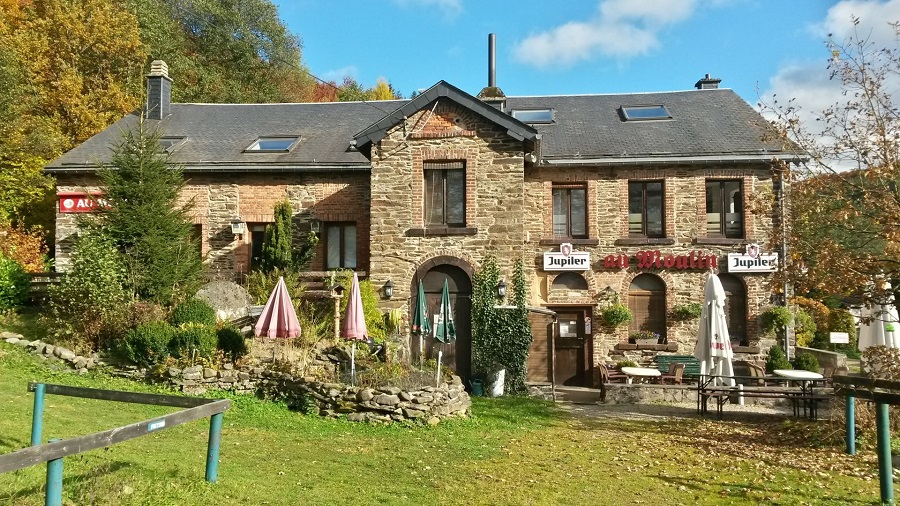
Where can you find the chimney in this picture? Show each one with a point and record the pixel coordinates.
(159, 90)
(707, 83)
(492, 94)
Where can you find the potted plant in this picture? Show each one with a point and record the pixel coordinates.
(644, 337)
(690, 311)
(616, 313)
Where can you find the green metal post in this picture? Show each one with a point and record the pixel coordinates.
(37, 416)
(212, 451)
(885, 469)
(54, 480)
(851, 425)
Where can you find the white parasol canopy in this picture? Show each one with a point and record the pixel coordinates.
(880, 325)
(713, 348)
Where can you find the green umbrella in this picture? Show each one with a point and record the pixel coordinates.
(446, 331)
(420, 325)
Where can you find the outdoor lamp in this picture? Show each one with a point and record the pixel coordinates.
(237, 226)
(388, 289)
(315, 225)
(501, 289)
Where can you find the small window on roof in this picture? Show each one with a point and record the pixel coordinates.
(644, 112)
(168, 144)
(272, 144)
(534, 115)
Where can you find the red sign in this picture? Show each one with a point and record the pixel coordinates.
(79, 203)
(695, 260)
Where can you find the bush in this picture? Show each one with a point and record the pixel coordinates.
(806, 362)
(626, 363)
(25, 247)
(260, 284)
(14, 283)
(231, 341)
(194, 311)
(148, 343)
(804, 328)
(194, 340)
(777, 359)
(617, 314)
(140, 312)
(89, 299)
(775, 319)
(689, 311)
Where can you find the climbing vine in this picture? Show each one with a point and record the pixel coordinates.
(501, 338)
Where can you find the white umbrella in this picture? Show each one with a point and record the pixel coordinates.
(713, 348)
(880, 325)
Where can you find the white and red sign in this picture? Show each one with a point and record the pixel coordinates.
(80, 202)
(567, 259)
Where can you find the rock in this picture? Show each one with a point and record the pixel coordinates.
(80, 362)
(424, 399)
(193, 369)
(413, 413)
(243, 376)
(34, 344)
(357, 417)
(405, 396)
(192, 376)
(257, 371)
(434, 421)
(64, 353)
(229, 299)
(228, 367)
(10, 335)
(456, 380)
(82, 371)
(366, 394)
(387, 400)
(333, 392)
(11, 340)
(391, 390)
(209, 372)
(23, 343)
(173, 372)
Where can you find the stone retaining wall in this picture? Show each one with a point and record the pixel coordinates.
(383, 404)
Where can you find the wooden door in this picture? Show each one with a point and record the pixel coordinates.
(572, 343)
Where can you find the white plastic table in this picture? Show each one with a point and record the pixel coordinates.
(794, 374)
(640, 372)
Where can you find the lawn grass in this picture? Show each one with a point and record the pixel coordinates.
(512, 451)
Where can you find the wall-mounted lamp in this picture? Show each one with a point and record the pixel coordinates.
(388, 289)
(501, 289)
(315, 225)
(237, 227)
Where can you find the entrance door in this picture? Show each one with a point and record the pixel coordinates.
(573, 355)
(458, 355)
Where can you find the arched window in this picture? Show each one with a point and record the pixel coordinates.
(569, 281)
(647, 301)
(735, 308)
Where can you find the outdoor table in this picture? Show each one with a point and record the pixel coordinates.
(805, 386)
(640, 372)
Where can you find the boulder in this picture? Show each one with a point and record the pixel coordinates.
(10, 335)
(64, 353)
(387, 400)
(229, 299)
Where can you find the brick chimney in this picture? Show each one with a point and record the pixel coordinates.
(491, 94)
(707, 83)
(159, 90)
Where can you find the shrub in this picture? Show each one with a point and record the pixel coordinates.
(194, 311)
(775, 319)
(140, 312)
(194, 340)
(617, 314)
(231, 341)
(148, 343)
(90, 297)
(25, 247)
(806, 362)
(14, 283)
(260, 284)
(804, 327)
(690, 311)
(777, 359)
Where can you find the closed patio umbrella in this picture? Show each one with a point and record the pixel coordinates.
(445, 330)
(354, 325)
(713, 348)
(278, 317)
(420, 325)
(879, 324)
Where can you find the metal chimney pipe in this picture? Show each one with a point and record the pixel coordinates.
(492, 60)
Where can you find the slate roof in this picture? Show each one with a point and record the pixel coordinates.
(713, 124)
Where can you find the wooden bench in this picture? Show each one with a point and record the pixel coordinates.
(691, 364)
(805, 398)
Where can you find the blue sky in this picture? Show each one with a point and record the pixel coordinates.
(756, 47)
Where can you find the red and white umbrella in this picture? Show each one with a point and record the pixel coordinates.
(354, 325)
(278, 317)
(713, 348)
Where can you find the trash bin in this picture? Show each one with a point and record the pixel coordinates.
(477, 387)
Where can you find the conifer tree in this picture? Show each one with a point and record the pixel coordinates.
(278, 244)
(146, 222)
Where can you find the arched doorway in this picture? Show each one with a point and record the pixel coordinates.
(457, 273)
(647, 301)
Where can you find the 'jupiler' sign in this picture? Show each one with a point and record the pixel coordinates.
(567, 260)
(752, 260)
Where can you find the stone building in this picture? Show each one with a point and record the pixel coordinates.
(629, 197)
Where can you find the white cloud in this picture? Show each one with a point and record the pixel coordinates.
(338, 75)
(620, 28)
(450, 8)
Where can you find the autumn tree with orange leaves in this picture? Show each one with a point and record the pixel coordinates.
(844, 204)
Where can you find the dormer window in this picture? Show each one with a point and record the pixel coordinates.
(644, 112)
(168, 144)
(273, 144)
(534, 115)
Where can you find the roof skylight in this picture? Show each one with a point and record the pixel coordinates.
(534, 115)
(273, 144)
(168, 144)
(644, 112)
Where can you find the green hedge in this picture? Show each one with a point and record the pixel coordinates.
(148, 343)
(194, 340)
(193, 311)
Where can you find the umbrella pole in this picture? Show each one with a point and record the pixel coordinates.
(353, 364)
(440, 356)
